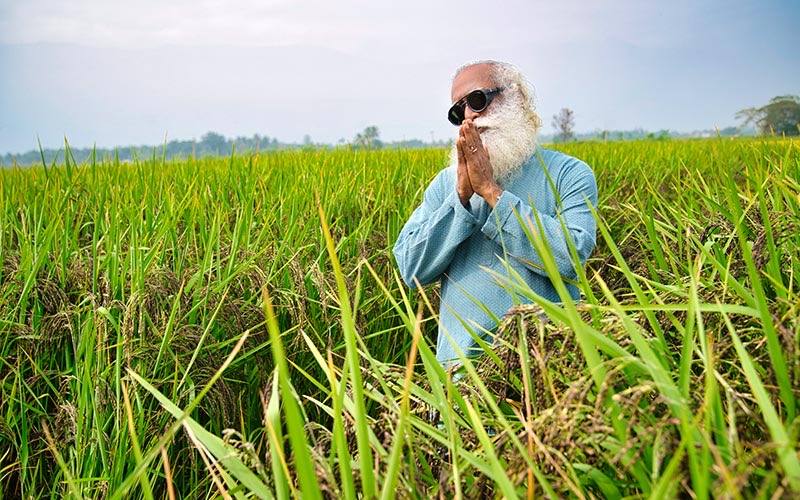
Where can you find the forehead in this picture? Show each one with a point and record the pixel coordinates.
(478, 76)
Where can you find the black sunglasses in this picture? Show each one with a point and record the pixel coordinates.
(477, 100)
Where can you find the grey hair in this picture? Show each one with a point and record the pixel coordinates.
(509, 76)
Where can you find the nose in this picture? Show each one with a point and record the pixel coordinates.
(469, 114)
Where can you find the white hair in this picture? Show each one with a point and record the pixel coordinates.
(509, 76)
(511, 126)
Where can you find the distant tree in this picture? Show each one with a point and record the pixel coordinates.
(601, 135)
(214, 143)
(564, 123)
(780, 116)
(369, 138)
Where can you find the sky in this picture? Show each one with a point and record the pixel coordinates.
(112, 73)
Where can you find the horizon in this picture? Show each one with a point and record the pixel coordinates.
(118, 75)
(544, 139)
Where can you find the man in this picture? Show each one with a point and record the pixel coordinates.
(469, 221)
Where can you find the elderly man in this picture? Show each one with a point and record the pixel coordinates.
(468, 224)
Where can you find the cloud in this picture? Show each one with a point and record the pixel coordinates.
(151, 23)
(119, 72)
(343, 24)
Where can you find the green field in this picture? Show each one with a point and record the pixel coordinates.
(236, 327)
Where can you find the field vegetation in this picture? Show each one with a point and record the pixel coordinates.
(235, 327)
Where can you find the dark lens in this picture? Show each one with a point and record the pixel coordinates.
(477, 100)
(456, 114)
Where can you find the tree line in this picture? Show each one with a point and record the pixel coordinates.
(210, 144)
(780, 116)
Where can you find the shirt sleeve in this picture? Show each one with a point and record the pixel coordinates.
(429, 240)
(573, 219)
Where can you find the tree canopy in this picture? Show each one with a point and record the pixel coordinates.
(780, 116)
(369, 138)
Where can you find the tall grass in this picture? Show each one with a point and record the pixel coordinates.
(235, 327)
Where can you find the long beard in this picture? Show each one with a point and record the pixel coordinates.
(510, 138)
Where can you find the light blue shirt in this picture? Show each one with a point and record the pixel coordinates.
(445, 241)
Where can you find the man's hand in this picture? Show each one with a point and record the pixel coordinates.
(478, 166)
(463, 184)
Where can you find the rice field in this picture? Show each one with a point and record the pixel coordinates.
(235, 327)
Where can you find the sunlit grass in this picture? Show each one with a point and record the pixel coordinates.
(235, 326)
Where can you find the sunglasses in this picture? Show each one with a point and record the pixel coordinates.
(477, 100)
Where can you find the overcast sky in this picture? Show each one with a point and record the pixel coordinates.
(117, 73)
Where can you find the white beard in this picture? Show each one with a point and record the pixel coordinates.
(510, 138)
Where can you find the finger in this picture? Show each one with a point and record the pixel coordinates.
(463, 163)
(460, 147)
(472, 135)
(472, 147)
(469, 127)
(462, 138)
(463, 135)
(465, 129)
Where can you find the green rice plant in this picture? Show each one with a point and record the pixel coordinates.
(235, 326)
